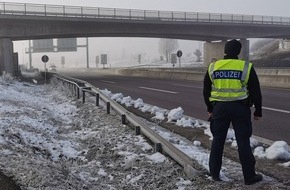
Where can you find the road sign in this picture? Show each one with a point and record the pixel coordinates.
(66, 44)
(44, 45)
(103, 59)
(179, 53)
(44, 59)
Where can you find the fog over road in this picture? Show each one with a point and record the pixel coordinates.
(170, 94)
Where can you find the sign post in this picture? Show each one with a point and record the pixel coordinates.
(179, 54)
(104, 60)
(97, 61)
(45, 60)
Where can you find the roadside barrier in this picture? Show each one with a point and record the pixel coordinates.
(279, 78)
(161, 145)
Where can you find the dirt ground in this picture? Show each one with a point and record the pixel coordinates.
(7, 183)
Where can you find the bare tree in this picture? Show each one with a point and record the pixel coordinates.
(197, 53)
(167, 46)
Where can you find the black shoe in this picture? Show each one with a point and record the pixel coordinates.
(216, 178)
(256, 178)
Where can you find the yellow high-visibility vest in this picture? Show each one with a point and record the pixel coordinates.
(229, 79)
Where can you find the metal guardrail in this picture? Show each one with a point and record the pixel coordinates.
(46, 10)
(82, 86)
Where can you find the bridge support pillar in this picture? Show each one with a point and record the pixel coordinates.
(215, 50)
(245, 53)
(8, 59)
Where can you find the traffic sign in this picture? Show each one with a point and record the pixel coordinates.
(44, 59)
(179, 53)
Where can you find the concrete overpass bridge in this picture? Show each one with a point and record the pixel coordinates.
(20, 21)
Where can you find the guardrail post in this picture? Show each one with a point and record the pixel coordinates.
(137, 130)
(78, 92)
(123, 119)
(73, 89)
(84, 96)
(97, 99)
(79, 89)
(158, 147)
(84, 93)
(108, 107)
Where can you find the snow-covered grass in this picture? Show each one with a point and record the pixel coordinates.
(50, 140)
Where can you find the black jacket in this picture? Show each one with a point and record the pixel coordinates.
(255, 95)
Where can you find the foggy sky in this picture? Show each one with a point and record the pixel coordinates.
(256, 7)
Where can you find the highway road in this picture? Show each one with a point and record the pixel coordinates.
(170, 94)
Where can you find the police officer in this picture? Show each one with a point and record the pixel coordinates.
(231, 86)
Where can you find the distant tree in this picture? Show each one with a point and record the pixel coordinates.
(167, 46)
(197, 53)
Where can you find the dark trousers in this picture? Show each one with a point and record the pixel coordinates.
(239, 115)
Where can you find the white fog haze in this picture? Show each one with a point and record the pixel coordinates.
(121, 52)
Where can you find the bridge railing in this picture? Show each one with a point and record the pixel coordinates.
(26, 9)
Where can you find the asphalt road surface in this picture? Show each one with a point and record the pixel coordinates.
(170, 94)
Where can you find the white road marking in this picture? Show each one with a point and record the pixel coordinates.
(159, 90)
(188, 86)
(277, 110)
(107, 81)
